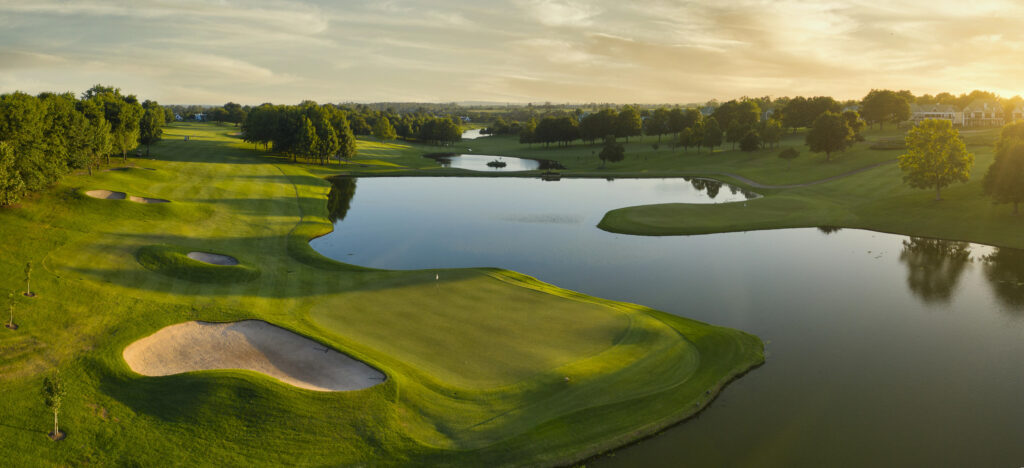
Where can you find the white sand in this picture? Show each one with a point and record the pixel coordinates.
(106, 194)
(214, 259)
(147, 200)
(251, 345)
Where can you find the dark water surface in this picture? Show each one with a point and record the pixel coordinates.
(883, 350)
(478, 162)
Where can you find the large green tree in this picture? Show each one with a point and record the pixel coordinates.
(628, 123)
(97, 133)
(1004, 180)
(829, 134)
(383, 130)
(124, 114)
(12, 188)
(151, 124)
(612, 151)
(936, 156)
(711, 134)
(882, 105)
(306, 140)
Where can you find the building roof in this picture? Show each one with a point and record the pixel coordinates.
(932, 108)
(983, 105)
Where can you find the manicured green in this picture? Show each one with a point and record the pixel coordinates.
(477, 359)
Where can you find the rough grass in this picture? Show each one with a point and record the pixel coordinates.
(632, 370)
(173, 261)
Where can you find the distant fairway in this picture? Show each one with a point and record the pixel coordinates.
(483, 367)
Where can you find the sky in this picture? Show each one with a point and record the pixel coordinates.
(517, 51)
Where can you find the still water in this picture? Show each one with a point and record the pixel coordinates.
(882, 350)
(473, 134)
(479, 162)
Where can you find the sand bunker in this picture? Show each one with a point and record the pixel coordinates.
(251, 345)
(148, 200)
(106, 194)
(214, 259)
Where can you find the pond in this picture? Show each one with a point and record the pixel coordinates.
(881, 349)
(473, 134)
(483, 162)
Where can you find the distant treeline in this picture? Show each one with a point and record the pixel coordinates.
(44, 137)
(323, 132)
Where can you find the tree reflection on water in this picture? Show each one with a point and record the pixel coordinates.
(934, 267)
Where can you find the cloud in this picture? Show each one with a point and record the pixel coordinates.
(529, 50)
(14, 59)
(561, 12)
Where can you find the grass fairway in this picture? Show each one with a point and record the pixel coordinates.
(477, 362)
(875, 199)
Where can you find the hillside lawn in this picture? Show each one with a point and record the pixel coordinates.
(485, 367)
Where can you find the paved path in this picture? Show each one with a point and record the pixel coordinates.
(805, 184)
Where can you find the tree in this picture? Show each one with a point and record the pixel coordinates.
(53, 396)
(855, 123)
(612, 151)
(595, 126)
(802, 112)
(12, 188)
(771, 132)
(657, 123)
(234, 113)
(829, 134)
(936, 156)
(28, 280)
(628, 123)
(383, 130)
(750, 142)
(789, 154)
(124, 114)
(346, 139)
(306, 139)
(528, 132)
(10, 324)
(150, 125)
(712, 134)
(98, 132)
(327, 144)
(1004, 181)
(686, 138)
(883, 105)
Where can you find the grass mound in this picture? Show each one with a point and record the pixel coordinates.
(174, 261)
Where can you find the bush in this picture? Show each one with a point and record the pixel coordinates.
(789, 153)
(173, 261)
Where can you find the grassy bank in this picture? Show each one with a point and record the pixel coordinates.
(875, 199)
(485, 367)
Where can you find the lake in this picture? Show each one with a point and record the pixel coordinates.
(478, 162)
(882, 350)
(473, 134)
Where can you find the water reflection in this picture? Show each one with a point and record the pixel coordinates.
(934, 267)
(711, 187)
(1004, 269)
(483, 162)
(339, 199)
(829, 229)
